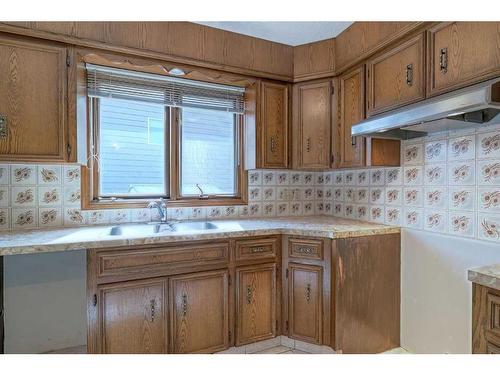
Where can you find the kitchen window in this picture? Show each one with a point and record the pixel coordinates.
(155, 136)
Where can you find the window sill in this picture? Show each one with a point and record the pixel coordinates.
(143, 203)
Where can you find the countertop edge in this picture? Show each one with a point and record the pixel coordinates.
(478, 277)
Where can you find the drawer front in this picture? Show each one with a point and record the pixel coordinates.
(305, 248)
(256, 249)
(122, 262)
(494, 313)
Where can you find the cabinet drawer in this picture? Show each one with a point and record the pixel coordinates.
(494, 313)
(255, 249)
(157, 259)
(305, 248)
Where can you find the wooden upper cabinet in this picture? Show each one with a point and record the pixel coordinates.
(305, 302)
(32, 100)
(462, 53)
(132, 317)
(255, 303)
(199, 312)
(274, 125)
(312, 124)
(351, 111)
(396, 78)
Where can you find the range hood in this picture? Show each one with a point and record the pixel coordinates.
(472, 106)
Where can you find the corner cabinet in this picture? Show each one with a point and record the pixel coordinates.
(396, 77)
(312, 123)
(273, 124)
(33, 100)
(461, 54)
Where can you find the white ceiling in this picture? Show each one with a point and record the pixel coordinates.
(291, 33)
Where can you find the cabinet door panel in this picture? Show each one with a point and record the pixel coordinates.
(313, 125)
(256, 303)
(198, 310)
(132, 316)
(462, 53)
(305, 302)
(32, 100)
(352, 111)
(274, 122)
(396, 78)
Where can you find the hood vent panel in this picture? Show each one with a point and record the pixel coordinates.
(469, 107)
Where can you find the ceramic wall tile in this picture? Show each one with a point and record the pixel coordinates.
(50, 175)
(4, 196)
(489, 227)
(436, 198)
(488, 199)
(50, 217)
(462, 173)
(462, 148)
(488, 172)
(435, 174)
(49, 196)
(413, 154)
(255, 178)
(435, 221)
(72, 175)
(435, 151)
(462, 198)
(4, 174)
(488, 145)
(23, 196)
(24, 218)
(4, 219)
(22, 174)
(394, 176)
(393, 215)
(462, 224)
(377, 177)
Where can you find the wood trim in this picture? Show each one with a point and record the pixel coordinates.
(259, 46)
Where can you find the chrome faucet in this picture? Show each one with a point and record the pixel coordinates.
(161, 206)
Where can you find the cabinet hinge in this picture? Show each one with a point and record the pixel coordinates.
(229, 279)
(286, 273)
(229, 335)
(332, 159)
(95, 300)
(286, 325)
(68, 60)
(68, 149)
(333, 90)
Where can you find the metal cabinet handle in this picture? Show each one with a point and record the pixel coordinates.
(305, 250)
(353, 141)
(257, 249)
(152, 304)
(184, 304)
(308, 293)
(409, 75)
(3, 126)
(443, 60)
(273, 144)
(249, 294)
(308, 144)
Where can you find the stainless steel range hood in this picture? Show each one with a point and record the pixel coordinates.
(469, 107)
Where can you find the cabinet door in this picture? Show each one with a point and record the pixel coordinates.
(352, 111)
(32, 100)
(198, 310)
(274, 123)
(462, 53)
(312, 124)
(132, 317)
(255, 303)
(396, 78)
(305, 302)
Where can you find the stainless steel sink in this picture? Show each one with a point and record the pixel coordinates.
(194, 225)
(157, 228)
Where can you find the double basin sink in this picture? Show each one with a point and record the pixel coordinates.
(158, 228)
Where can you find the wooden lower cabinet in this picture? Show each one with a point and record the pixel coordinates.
(485, 320)
(255, 303)
(305, 302)
(132, 317)
(199, 312)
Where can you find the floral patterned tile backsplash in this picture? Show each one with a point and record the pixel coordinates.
(447, 183)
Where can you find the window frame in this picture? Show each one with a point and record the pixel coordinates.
(90, 174)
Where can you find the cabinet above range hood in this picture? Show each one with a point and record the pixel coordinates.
(472, 106)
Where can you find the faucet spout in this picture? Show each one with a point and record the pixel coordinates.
(161, 206)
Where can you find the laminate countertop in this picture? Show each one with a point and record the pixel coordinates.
(85, 237)
(488, 276)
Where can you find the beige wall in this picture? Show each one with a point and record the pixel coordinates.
(45, 302)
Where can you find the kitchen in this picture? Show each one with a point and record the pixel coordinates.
(199, 187)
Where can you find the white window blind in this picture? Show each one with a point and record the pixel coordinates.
(106, 82)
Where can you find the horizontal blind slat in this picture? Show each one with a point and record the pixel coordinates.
(106, 82)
